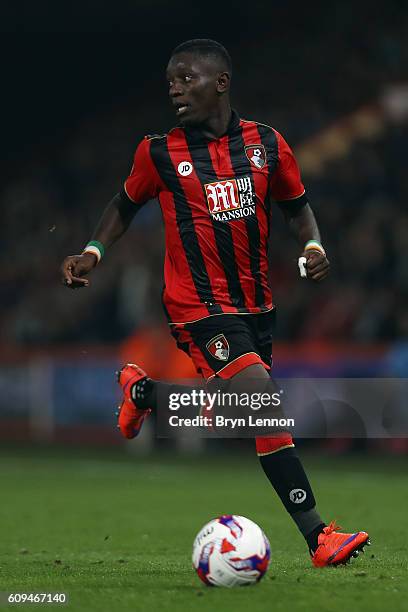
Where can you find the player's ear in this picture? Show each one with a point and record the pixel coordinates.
(223, 82)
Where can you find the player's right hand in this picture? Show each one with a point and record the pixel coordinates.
(75, 267)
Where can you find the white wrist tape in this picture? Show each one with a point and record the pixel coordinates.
(94, 250)
(302, 267)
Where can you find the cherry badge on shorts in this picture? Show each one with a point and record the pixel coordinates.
(219, 347)
(256, 155)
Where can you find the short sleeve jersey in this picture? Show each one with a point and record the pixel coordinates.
(215, 197)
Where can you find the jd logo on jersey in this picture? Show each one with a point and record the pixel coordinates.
(256, 155)
(219, 347)
(185, 168)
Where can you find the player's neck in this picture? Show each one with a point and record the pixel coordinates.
(217, 125)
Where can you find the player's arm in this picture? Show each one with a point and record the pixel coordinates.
(303, 225)
(141, 185)
(287, 189)
(114, 222)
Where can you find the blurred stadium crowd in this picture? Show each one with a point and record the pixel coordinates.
(50, 205)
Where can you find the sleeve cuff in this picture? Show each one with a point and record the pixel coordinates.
(294, 205)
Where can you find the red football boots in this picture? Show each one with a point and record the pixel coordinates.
(130, 417)
(337, 548)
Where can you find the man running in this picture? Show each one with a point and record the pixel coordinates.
(215, 175)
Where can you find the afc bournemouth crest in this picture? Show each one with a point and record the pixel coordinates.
(256, 155)
(219, 347)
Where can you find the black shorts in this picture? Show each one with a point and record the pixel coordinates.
(224, 345)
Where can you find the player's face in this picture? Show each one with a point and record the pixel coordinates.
(194, 88)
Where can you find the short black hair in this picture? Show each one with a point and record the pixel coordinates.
(206, 47)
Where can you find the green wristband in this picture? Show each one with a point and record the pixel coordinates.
(95, 247)
(314, 245)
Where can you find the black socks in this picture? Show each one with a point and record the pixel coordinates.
(144, 393)
(287, 476)
(312, 537)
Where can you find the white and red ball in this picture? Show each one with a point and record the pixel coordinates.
(231, 551)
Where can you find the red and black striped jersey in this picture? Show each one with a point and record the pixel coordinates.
(215, 198)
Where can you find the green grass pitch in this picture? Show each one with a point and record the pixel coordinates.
(115, 531)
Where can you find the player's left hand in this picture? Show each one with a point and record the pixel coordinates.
(317, 265)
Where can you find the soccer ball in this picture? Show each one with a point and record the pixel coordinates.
(231, 551)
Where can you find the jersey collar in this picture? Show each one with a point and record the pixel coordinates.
(195, 134)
